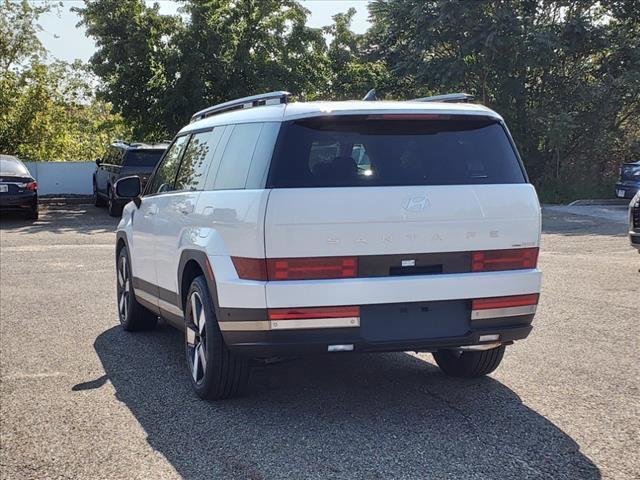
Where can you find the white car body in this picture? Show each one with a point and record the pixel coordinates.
(260, 223)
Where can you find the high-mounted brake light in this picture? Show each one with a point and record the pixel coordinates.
(510, 259)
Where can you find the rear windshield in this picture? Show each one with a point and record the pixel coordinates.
(13, 167)
(143, 158)
(364, 151)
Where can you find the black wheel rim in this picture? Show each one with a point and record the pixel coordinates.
(124, 288)
(196, 337)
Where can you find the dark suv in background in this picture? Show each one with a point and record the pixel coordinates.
(629, 182)
(121, 160)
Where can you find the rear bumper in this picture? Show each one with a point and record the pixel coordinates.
(420, 326)
(19, 201)
(627, 188)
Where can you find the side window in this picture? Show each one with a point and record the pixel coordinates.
(196, 160)
(108, 157)
(236, 160)
(262, 155)
(118, 155)
(165, 175)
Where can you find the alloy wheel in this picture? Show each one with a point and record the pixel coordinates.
(196, 338)
(124, 288)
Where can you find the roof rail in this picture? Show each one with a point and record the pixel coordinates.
(448, 98)
(271, 98)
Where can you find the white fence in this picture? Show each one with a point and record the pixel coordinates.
(60, 178)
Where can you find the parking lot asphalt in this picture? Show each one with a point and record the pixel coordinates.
(81, 398)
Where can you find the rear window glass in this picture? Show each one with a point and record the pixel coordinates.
(12, 167)
(143, 158)
(359, 151)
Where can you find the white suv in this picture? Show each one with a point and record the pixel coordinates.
(364, 226)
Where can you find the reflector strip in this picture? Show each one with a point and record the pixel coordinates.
(315, 323)
(503, 312)
(505, 302)
(313, 313)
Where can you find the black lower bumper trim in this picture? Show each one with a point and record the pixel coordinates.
(317, 342)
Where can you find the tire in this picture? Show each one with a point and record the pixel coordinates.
(469, 364)
(223, 374)
(33, 213)
(115, 209)
(98, 201)
(132, 315)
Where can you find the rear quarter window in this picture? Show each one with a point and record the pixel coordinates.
(143, 158)
(363, 151)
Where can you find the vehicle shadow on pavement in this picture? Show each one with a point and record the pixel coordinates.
(340, 416)
(570, 224)
(85, 219)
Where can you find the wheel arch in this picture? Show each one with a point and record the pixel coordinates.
(121, 242)
(193, 263)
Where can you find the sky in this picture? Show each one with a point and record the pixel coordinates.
(65, 41)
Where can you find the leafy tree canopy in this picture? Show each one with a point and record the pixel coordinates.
(47, 111)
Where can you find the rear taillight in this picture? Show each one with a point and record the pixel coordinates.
(505, 302)
(314, 312)
(33, 186)
(511, 259)
(500, 307)
(314, 317)
(296, 268)
(312, 268)
(250, 268)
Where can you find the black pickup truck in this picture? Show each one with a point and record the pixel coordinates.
(121, 160)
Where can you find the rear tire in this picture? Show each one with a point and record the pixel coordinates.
(216, 373)
(98, 201)
(33, 213)
(133, 316)
(469, 364)
(115, 209)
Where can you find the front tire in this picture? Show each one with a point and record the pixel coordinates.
(115, 209)
(33, 213)
(469, 364)
(216, 373)
(133, 316)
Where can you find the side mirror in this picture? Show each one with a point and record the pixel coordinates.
(98, 161)
(129, 188)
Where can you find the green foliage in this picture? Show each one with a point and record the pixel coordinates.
(158, 70)
(564, 74)
(47, 112)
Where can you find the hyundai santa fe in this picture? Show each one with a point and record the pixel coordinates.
(273, 228)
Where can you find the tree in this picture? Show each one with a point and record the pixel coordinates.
(158, 70)
(47, 111)
(18, 33)
(564, 74)
(350, 74)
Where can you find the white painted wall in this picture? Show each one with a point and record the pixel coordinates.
(63, 177)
